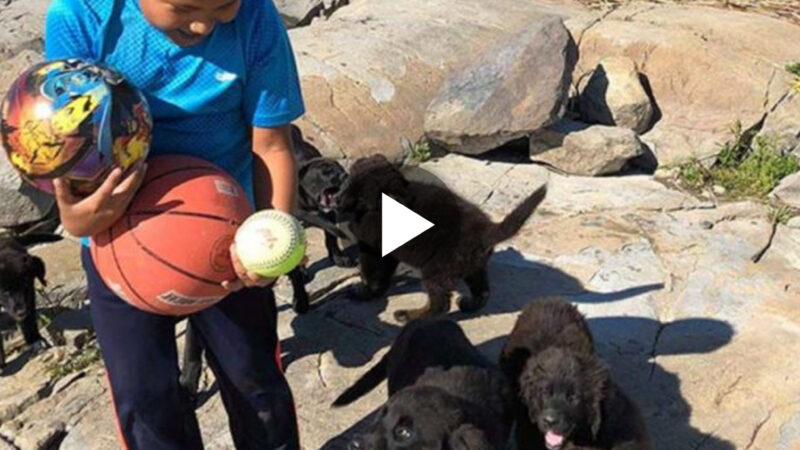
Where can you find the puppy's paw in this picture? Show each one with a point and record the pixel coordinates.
(473, 303)
(342, 260)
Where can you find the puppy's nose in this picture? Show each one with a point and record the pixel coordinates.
(549, 418)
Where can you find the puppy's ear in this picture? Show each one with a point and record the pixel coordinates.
(35, 266)
(468, 437)
(598, 380)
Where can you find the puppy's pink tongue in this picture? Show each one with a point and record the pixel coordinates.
(553, 439)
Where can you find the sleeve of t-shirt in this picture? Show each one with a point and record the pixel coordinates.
(272, 90)
(69, 30)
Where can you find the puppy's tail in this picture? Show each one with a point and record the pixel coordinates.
(36, 238)
(366, 383)
(516, 218)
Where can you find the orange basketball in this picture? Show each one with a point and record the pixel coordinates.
(170, 251)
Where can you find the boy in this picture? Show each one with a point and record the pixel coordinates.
(222, 85)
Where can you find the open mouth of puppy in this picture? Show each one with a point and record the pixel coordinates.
(328, 198)
(553, 440)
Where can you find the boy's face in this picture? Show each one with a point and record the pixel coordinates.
(187, 22)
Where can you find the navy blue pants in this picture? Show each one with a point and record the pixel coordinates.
(141, 358)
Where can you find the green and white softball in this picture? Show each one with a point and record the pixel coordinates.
(270, 243)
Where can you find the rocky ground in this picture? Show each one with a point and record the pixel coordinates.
(692, 296)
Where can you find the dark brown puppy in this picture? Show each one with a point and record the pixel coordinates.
(457, 247)
(18, 272)
(566, 398)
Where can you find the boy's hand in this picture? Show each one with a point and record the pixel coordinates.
(90, 215)
(245, 277)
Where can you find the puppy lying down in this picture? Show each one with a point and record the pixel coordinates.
(566, 399)
(443, 394)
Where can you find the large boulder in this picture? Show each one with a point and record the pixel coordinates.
(597, 150)
(512, 89)
(706, 67)
(614, 95)
(370, 71)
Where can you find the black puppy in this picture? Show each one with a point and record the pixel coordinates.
(457, 247)
(18, 270)
(319, 181)
(442, 393)
(566, 398)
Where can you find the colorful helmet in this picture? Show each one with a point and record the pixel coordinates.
(73, 119)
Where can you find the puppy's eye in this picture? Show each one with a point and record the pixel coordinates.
(402, 433)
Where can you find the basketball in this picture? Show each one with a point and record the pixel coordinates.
(270, 243)
(171, 250)
(73, 119)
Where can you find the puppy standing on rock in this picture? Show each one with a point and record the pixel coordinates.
(457, 247)
(566, 398)
(18, 272)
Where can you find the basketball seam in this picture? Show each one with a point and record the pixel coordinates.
(122, 274)
(165, 262)
(182, 169)
(154, 212)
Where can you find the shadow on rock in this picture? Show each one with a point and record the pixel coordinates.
(631, 347)
(353, 331)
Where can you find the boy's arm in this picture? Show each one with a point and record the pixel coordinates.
(274, 171)
(272, 100)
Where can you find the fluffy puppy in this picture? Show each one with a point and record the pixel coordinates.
(457, 247)
(442, 394)
(566, 398)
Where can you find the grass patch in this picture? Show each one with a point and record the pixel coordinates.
(794, 69)
(421, 151)
(87, 357)
(781, 214)
(745, 167)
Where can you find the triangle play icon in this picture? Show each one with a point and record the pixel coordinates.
(399, 224)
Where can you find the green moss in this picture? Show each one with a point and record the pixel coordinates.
(744, 169)
(794, 69)
(421, 151)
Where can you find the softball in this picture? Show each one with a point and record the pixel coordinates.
(270, 243)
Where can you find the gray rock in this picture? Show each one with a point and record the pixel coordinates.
(298, 13)
(706, 68)
(512, 89)
(597, 150)
(39, 435)
(5, 445)
(614, 96)
(552, 136)
(21, 26)
(367, 95)
(788, 191)
(782, 125)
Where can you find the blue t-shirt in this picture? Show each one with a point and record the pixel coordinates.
(205, 99)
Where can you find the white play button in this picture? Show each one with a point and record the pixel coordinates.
(399, 224)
